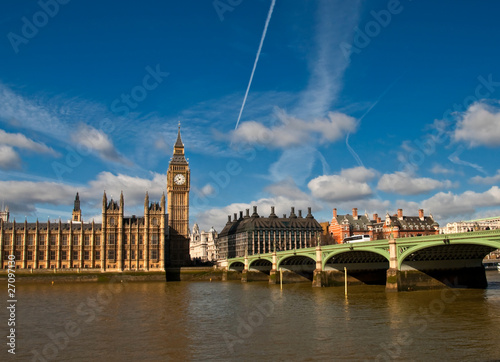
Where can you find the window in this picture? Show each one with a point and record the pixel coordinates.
(41, 255)
(125, 239)
(111, 254)
(18, 255)
(112, 221)
(97, 239)
(98, 255)
(111, 239)
(86, 240)
(154, 239)
(132, 254)
(64, 255)
(19, 240)
(132, 239)
(52, 255)
(30, 255)
(30, 239)
(64, 240)
(75, 254)
(41, 240)
(154, 254)
(140, 254)
(154, 221)
(76, 239)
(53, 240)
(140, 239)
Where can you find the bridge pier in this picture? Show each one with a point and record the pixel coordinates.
(274, 277)
(318, 272)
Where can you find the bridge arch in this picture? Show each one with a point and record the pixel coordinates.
(260, 262)
(351, 256)
(445, 249)
(296, 260)
(236, 265)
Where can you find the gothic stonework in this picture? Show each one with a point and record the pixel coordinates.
(119, 243)
(178, 184)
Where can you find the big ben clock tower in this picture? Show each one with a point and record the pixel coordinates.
(178, 179)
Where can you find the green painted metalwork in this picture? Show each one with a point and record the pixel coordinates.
(405, 247)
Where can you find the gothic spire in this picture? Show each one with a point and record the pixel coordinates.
(77, 203)
(179, 143)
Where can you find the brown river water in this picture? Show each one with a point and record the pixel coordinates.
(233, 321)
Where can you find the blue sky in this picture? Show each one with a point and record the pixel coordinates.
(377, 105)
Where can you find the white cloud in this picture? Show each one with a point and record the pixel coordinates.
(19, 140)
(335, 25)
(95, 140)
(23, 195)
(479, 126)
(337, 188)
(487, 180)
(291, 132)
(405, 184)
(134, 188)
(207, 190)
(217, 217)
(441, 170)
(9, 159)
(359, 174)
(444, 205)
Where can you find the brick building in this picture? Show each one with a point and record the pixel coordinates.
(344, 226)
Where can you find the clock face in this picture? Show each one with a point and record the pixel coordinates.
(179, 179)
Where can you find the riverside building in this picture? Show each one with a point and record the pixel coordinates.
(254, 234)
(158, 239)
(397, 225)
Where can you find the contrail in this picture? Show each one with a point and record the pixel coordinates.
(351, 150)
(256, 59)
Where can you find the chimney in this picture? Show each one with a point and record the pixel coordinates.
(235, 216)
(400, 213)
(335, 212)
(241, 215)
(375, 217)
(355, 213)
(300, 213)
(379, 219)
(247, 213)
(284, 216)
(255, 212)
(292, 213)
(421, 214)
(229, 219)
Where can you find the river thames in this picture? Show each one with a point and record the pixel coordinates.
(226, 321)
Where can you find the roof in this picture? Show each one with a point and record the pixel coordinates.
(412, 222)
(255, 222)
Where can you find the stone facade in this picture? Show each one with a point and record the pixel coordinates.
(118, 243)
(202, 245)
(490, 223)
(178, 185)
(400, 226)
(150, 242)
(253, 234)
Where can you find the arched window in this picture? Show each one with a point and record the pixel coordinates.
(112, 221)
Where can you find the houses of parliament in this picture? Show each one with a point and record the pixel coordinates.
(154, 241)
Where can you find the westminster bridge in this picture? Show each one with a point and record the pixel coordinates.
(424, 262)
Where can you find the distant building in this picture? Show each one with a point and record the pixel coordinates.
(400, 226)
(490, 223)
(4, 214)
(202, 244)
(254, 234)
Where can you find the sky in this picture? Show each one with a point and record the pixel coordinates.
(377, 105)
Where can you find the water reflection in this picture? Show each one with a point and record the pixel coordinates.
(234, 321)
